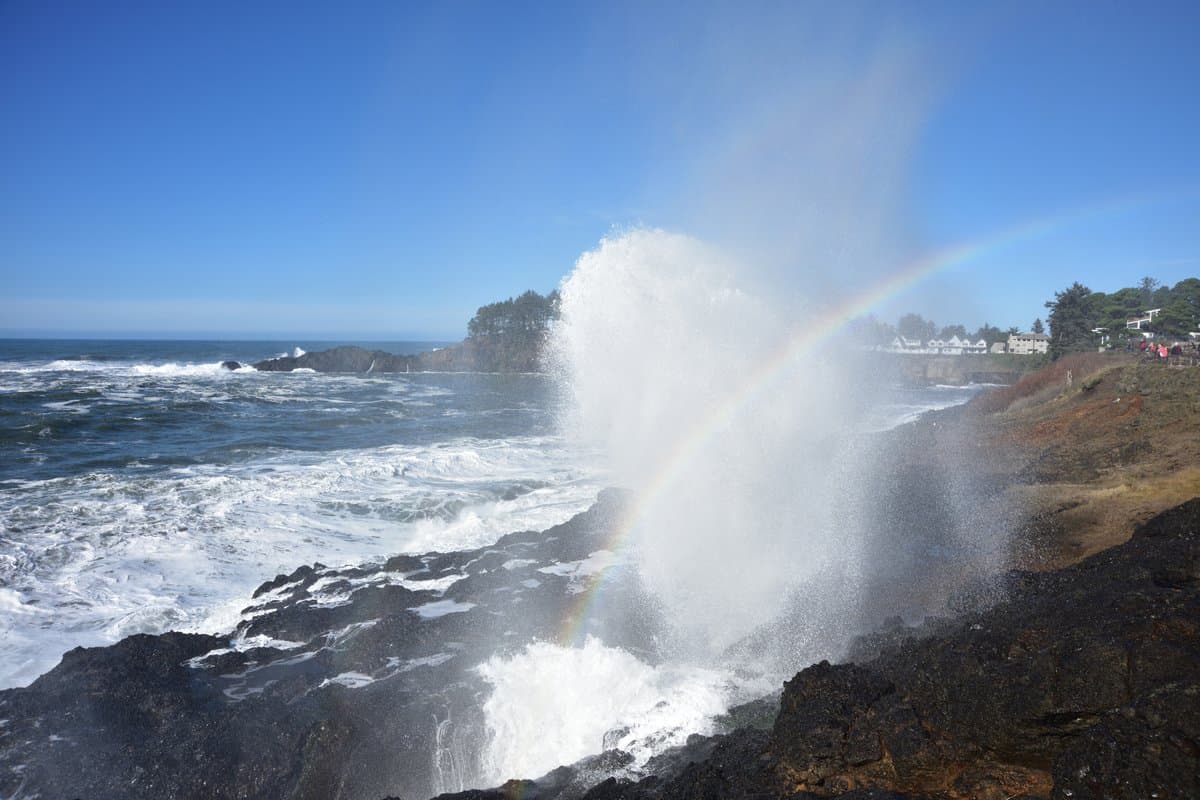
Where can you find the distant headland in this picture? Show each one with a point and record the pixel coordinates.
(508, 336)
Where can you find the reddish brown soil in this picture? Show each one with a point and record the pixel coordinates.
(1088, 460)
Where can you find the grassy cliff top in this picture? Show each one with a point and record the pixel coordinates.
(1086, 448)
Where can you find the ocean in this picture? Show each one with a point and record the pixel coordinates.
(144, 487)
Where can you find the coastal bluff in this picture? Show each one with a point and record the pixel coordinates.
(507, 336)
(950, 370)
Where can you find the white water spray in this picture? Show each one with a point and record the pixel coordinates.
(554, 705)
(756, 522)
(674, 373)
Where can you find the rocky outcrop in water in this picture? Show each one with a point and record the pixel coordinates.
(342, 359)
(476, 354)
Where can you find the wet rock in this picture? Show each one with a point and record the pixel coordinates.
(338, 683)
(479, 354)
(1084, 683)
(1080, 683)
(342, 359)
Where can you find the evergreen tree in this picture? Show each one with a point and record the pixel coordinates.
(528, 315)
(990, 334)
(1038, 327)
(509, 335)
(914, 326)
(872, 330)
(1180, 309)
(1070, 328)
(1147, 286)
(953, 330)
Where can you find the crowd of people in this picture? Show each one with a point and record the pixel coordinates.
(1175, 353)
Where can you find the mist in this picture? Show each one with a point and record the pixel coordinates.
(769, 523)
(689, 355)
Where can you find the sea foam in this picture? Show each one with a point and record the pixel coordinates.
(104, 555)
(553, 705)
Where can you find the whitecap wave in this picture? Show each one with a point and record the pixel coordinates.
(103, 555)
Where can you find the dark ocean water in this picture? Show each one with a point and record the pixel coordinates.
(145, 487)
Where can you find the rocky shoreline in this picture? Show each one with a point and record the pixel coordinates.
(1085, 684)
(1080, 681)
(351, 683)
(359, 683)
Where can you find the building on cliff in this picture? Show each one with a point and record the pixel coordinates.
(955, 346)
(1026, 344)
(935, 347)
(1135, 323)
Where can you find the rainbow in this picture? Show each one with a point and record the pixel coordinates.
(817, 330)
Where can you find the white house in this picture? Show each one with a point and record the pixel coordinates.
(998, 347)
(953, 346)
(965, 345)
(1145, 318)
(1025, 344)
(901, 344)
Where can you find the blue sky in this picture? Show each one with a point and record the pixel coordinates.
(379, 170)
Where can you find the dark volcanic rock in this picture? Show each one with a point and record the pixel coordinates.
(231, 365)
(476, 354)
(342, 359)
(352, 683)
(1084, 684)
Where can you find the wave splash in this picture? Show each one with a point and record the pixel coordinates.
(604, 698)
(736, 452)
(769, 527)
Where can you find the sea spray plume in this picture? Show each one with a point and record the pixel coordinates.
(603, 697)
(862, 482)
(654, 335)
(808, 179)
(761, 516)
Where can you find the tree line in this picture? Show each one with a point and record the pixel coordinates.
(1076, 313)
(525, 316)
(914, 326)
(508, 336)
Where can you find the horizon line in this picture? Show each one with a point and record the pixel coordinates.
(40, 335)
